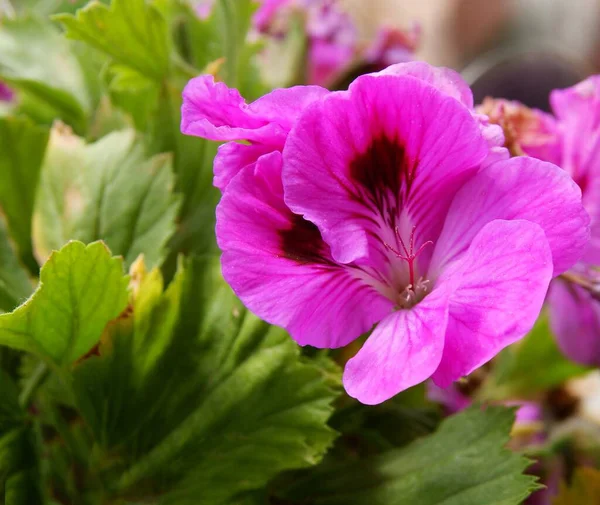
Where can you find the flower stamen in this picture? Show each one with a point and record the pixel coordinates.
(409, 255)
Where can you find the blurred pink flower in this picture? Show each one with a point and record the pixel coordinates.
(6, 94)
(203, 8)
(333, 42)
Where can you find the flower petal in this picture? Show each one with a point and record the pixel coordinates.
(499, 289)
(444, 79)
(519, 188)
(214, 111)
(279, 266)
(403, 350)
(232, 157)
(359, 163)
(575, 321)
(577, 109)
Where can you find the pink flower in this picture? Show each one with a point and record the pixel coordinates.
(203, 8)
(392, 45)
(570, 139)
(333, 42)
(213, 111)
(6, 94)
(526, 131)
(266, 14)
(378, 210)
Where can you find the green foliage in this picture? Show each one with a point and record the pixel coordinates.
(106, 191)
(15, 285)
(160, 387)
(533, 365)
(223, 394)
(19, 461)
(463, 463)
(35, 58)
(132, 32)
(22, 146)
(81, 289)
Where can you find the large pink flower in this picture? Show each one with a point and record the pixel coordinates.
(382, 209)
(571, 139)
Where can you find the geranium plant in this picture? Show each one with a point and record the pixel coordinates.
(358, 288)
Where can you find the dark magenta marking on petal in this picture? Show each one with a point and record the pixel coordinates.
(384, 174)
(302, 242)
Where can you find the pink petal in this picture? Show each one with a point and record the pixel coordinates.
(214, 111)
(265, 14)
(232, 157)
(404, 350)
(392, 45)
(519, 188)
(203, 8)
(326, 59)
(444, 79)
(451, 398)
(6, 94)
(577, 109)
(452, 84)
(279, 266)
(359, 163)
(500, 285)
(575, 321)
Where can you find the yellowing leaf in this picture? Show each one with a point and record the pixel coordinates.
(584, 490)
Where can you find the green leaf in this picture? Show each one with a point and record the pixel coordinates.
(36, 58)
(81, 289)
(105, 191)
(132, 32)
(584, 489)
(534, 364)
(19, 472)
(22, 147)
(222, 393)
(15, 285)
(368, 429)
(464, 463)
(233, 18)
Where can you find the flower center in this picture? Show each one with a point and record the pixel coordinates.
(416, 289)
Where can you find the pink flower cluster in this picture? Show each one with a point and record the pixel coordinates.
(333, 41)
(391, 204)
(569, 138)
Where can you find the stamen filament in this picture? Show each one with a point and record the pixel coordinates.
(409, 256)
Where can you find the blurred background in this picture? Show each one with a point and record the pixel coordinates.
(518, 49)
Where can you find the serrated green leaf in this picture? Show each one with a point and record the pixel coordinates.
(132, 32)
(22, 147)
(15, 285)
(464, 463)
(227, 400)
(36, 58)
(105, 191)
(81, 289)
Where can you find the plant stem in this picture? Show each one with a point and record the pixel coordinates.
(33, 383)
(580, 280)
